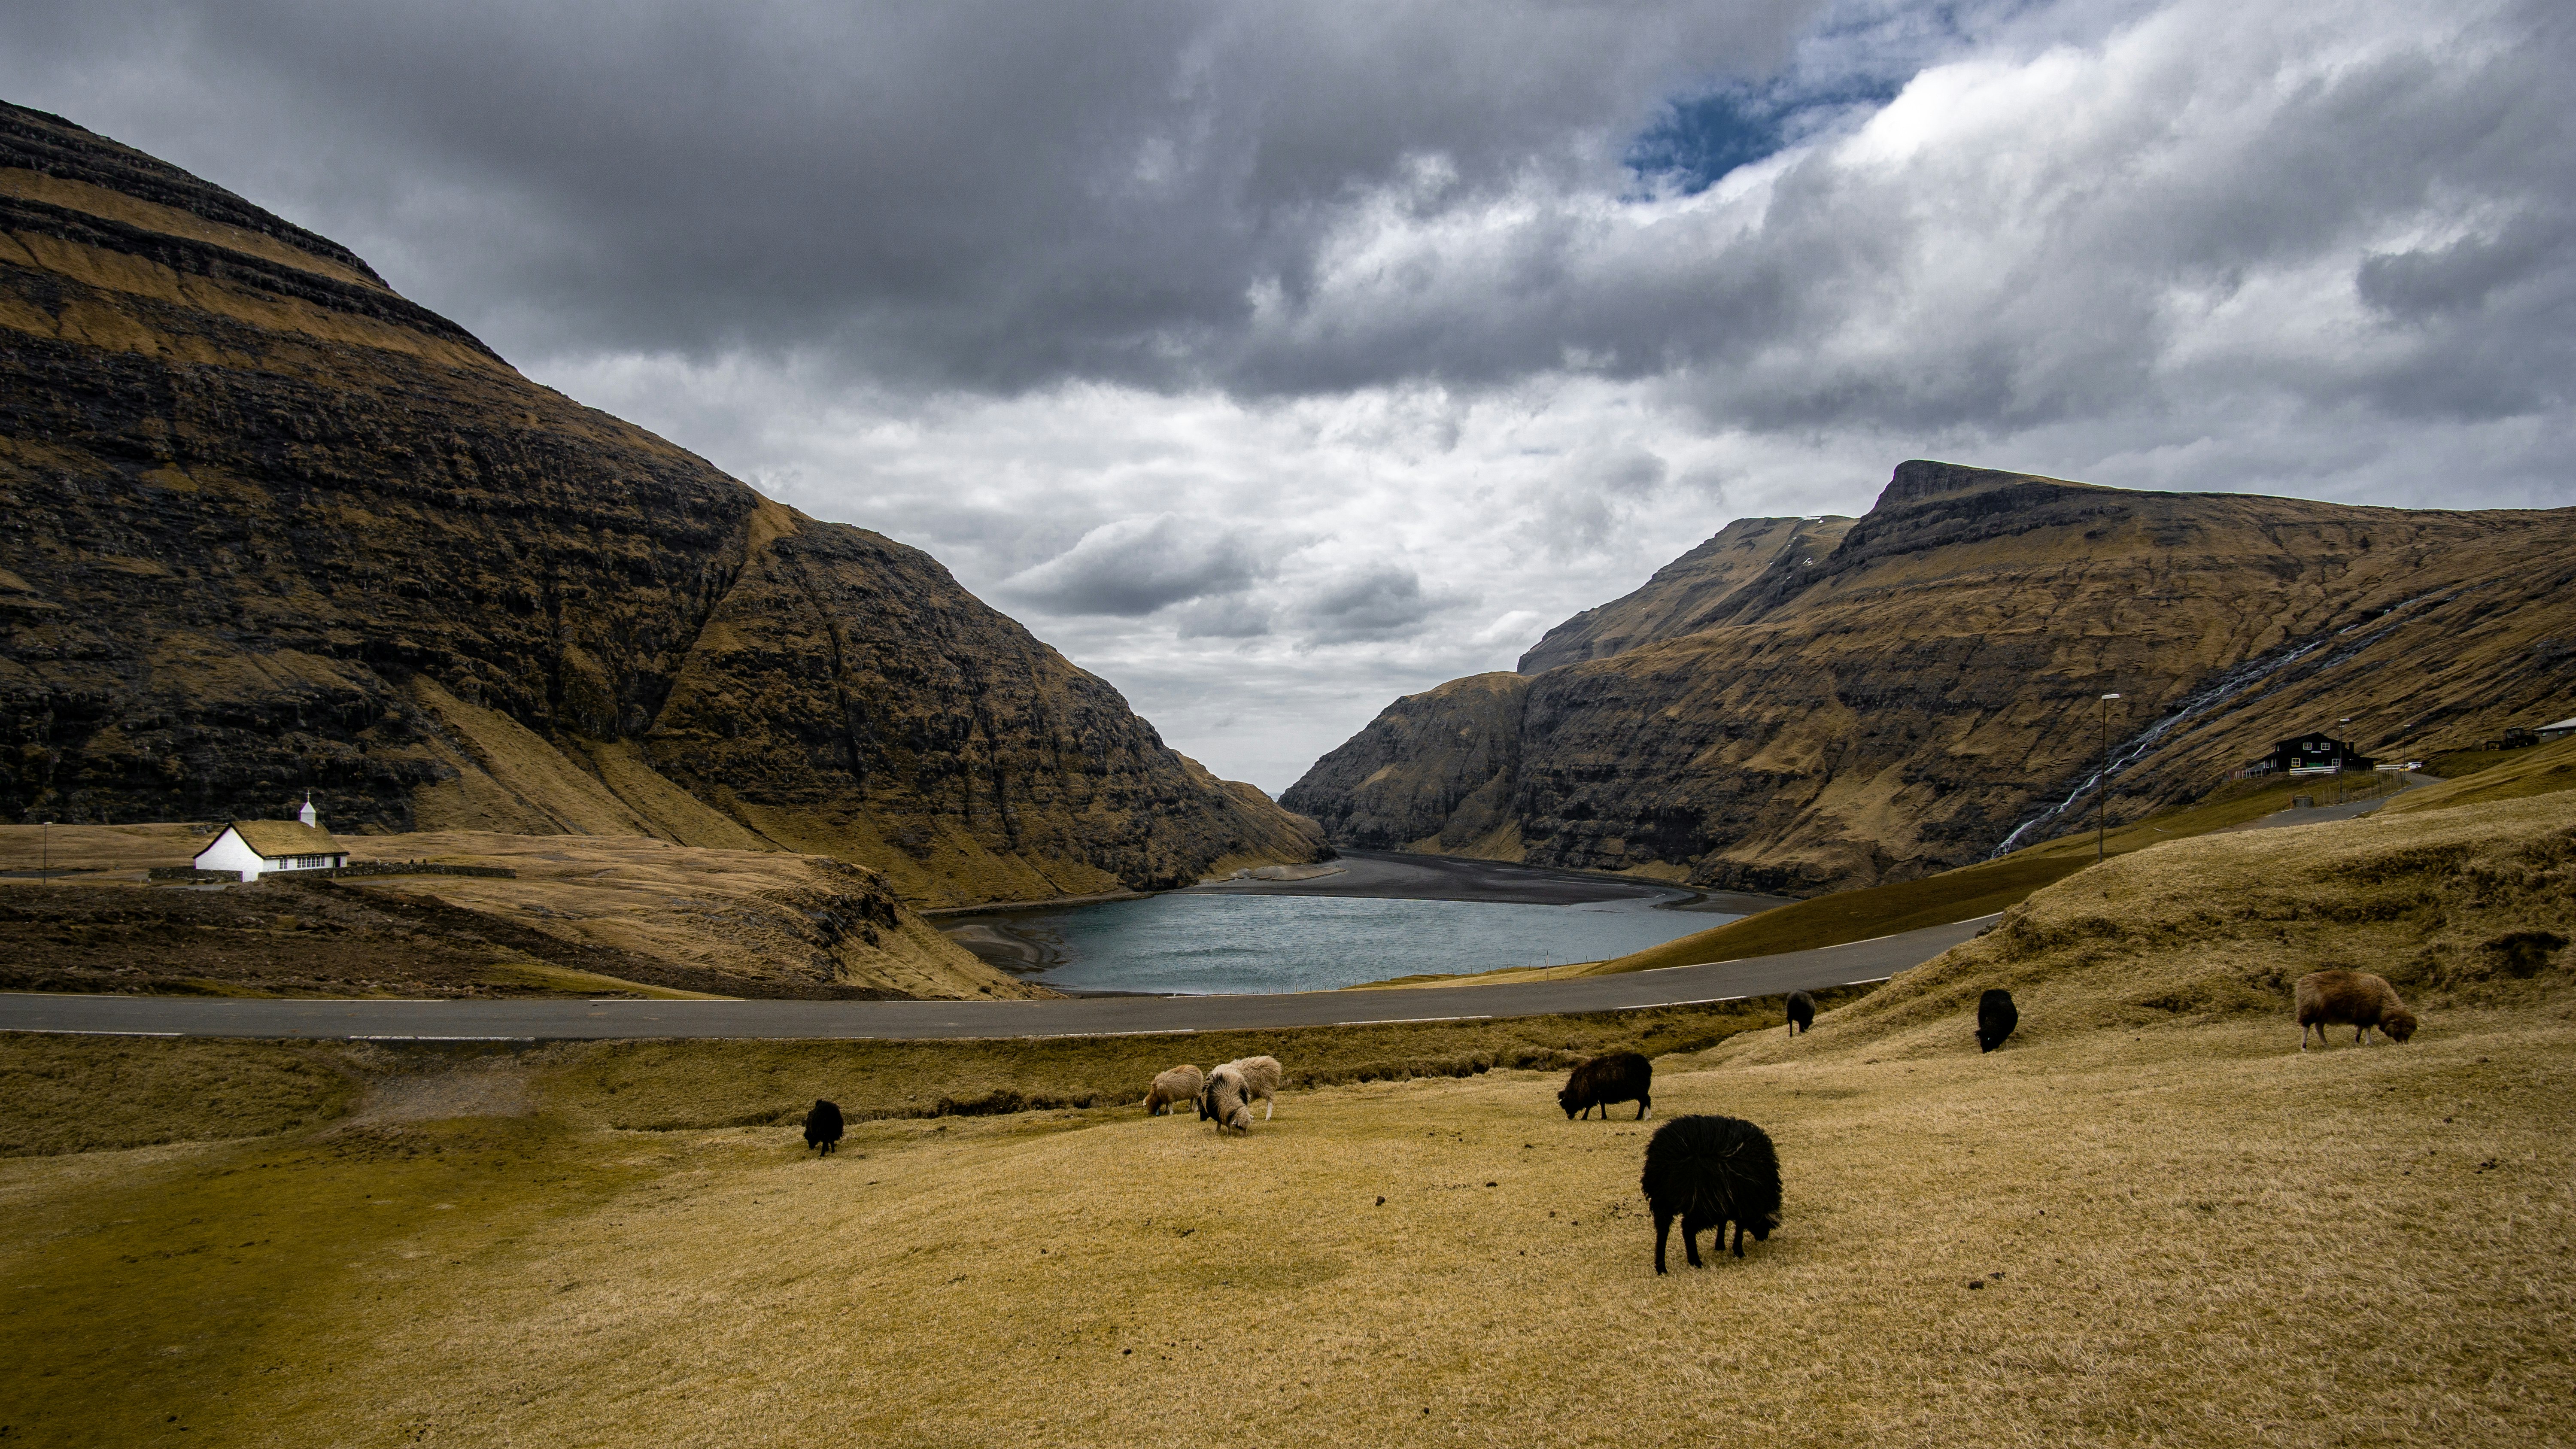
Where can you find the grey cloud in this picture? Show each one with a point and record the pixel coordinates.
(1136, 566)
(2025, 273)
(992, 195)
(1368, 602)
(1230, 616)
(1303, 200)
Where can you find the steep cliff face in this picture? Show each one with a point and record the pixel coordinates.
(267, 526)
(1931, 683)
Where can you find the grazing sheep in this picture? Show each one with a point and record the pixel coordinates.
(1222, 1099)
(1996, 1018)
(1802, 1012)
(1618, 1077)
(2351, 998)
(1710, 1171)
(1260, 1082)
(823, 1127)
(1172, 1088)
(1245, 1080)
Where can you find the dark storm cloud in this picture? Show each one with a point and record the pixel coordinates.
(995, 195)
(1305, 200)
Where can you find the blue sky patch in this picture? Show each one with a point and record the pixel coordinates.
(1699, 140)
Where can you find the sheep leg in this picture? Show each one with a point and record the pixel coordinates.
(1642, 1104)
(1690, 1243)
(1739, 1239)
(1663, 1232)
(1269, 1105)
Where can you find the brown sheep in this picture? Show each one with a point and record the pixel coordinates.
(2351, 998)
(1172, 1088)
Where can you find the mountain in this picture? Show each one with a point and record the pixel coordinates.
(1805, 704)
(1692, 592)
(267, 526)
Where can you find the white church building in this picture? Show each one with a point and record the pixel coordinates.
(260, 847)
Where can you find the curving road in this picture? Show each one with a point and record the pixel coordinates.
(558, 1020)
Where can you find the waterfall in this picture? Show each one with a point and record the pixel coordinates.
(2229, 685)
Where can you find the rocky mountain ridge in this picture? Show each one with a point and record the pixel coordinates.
(1799, 705)
(266, 526)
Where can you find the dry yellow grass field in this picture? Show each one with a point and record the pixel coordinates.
(2182, 1230)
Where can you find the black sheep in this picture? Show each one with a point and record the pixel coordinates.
(1618, 1077)
(823, 1126)
(1802, 1012)
(1996, 1018)
(1710, 1171)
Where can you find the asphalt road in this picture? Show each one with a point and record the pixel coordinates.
(557, 1020)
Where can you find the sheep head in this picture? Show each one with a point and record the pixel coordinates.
(2398, 1024)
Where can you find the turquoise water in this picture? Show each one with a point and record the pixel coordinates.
(1232, 944)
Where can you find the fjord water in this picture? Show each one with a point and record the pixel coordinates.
(1210, 944)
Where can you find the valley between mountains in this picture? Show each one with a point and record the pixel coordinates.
(267, 527)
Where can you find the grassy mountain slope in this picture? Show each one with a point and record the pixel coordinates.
(269, 526)
(1905, 702)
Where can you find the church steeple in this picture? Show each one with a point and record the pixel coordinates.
(308, 814)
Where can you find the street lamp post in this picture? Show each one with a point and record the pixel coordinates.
(2102, 801)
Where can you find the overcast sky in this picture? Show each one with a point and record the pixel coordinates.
(1272, 360)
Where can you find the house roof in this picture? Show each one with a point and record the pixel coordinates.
(277, 838)
(2568, 723)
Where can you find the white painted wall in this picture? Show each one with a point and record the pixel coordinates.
(231, 852)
